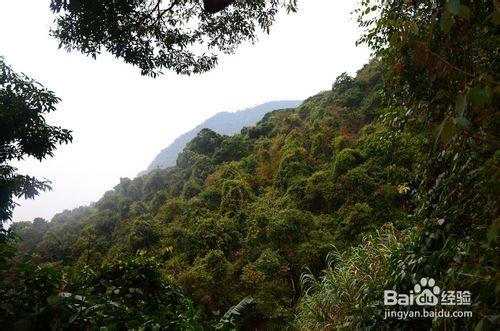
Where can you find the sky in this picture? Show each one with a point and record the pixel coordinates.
(121, 120)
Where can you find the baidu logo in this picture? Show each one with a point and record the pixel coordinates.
(427, 293)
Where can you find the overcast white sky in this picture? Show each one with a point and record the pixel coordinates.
(121, 120)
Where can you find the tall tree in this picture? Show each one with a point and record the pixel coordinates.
(442, 62)
(181, 35)
(24, 133)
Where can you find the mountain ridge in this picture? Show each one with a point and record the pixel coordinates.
(225, 123)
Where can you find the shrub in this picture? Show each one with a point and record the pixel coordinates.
(347, 159)
(340, 297)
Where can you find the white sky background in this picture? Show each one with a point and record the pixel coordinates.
(121, 120)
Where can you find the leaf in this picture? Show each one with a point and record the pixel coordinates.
(413, 27)
(495, 17)
(53, 300)
(479, 326)
(453, 6)
(464, 12)
(446, 22)
(461, 104)
(438, 132)
(479, 96)
(237, 309)
(441, 95)
(462, 122)
(447, 132)
(73, 317)
(228, 319)
(491, 234)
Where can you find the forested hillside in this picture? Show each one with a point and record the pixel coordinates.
(224, 123)
(244, 215)
(303, 220)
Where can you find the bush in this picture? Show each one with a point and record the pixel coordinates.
(346, 159)
(340, 297)
(191, 188)
(129, 294)
(235, 194)
(231, 149)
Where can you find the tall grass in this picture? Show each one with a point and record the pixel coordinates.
(339, 298)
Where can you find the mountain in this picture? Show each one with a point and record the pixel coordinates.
(311, 215)
(373, 205)
(243, 215)
(225, 123)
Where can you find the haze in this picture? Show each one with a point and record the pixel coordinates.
(121, 120)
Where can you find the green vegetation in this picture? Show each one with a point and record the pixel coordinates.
(390, 176)
(244, 215)
(24, 133)
(126, 295)
(227, 123)
(180, 35)
(343, 295)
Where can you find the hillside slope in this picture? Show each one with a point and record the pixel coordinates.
(257, 214)
(249, 211)
(225, 123)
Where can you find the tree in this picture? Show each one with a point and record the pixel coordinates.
(235, 193)
(205, 143)
(124, 295)
(230, 149)
(24, 133)
(180, 35)
(442, 78)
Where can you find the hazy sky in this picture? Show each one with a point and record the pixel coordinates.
(121, 120)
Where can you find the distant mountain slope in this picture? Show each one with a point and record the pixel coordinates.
(223, 123)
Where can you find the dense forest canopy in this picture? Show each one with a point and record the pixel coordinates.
(303, 220)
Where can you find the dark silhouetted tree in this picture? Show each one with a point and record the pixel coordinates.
(181, 35)
(24, 133)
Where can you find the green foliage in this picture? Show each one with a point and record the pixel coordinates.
(345, 160)
(205, 142)
(319, 191)
(202, 168)
(243, 215)
(24, 133)
(227, 322)
(355, 219)
(292, 166)
(265, 277)
(235, 193)
(211, 197)
(144, 233)
(129, 294)
(191, 189)
(442, 68)
(341, 297)
(231, 149)
(155, 35)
